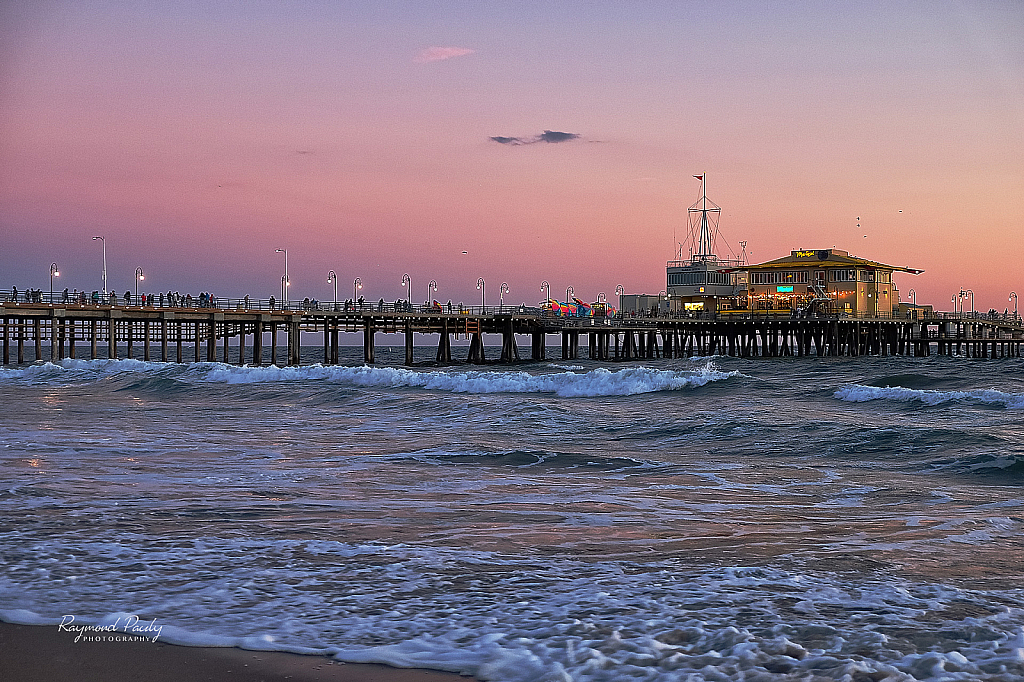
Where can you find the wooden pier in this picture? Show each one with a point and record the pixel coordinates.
(33, 332)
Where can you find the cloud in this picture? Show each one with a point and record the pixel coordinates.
(555, 136)
(551, 136)
(437, 54)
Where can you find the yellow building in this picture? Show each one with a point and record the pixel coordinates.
(826, 281)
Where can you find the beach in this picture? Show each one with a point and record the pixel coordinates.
(38, 653)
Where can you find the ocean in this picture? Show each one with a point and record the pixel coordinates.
(699, 519)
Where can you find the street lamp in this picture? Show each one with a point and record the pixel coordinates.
(966, 292)
(104, 243)
(53, 273)
(285, 281)
(138, 278)
(407, 282)
(913, 296)
(432, 286)
(502, 290)
(357, 284)
(620, 290)
(569, 291)
(1013, 297)
(483, 292)
(332, 277)
(602, 298)
(545, 287)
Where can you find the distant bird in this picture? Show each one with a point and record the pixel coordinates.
(465, 252)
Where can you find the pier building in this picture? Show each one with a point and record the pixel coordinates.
(828, 281)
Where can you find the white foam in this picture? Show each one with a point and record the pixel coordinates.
(518, 619)
(857, 393)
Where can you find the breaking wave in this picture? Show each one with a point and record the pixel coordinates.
(597, 382)
(856, 393)
(568, 383)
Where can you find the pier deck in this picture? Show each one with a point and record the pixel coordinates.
(190, 334)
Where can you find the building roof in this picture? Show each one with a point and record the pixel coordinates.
(827, 258)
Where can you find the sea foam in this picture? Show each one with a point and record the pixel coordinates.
(528, 621)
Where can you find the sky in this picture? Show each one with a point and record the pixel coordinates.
(514, 142)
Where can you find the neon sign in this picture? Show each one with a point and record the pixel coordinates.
(784, 290)
(804, 254)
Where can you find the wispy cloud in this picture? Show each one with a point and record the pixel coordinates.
(436, 54)
(547, 136)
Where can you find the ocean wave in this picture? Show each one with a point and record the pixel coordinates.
(597, 382)
(74, 371)
(569, 383)
(857, 393)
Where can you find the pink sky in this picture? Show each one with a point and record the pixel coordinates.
(197, 138)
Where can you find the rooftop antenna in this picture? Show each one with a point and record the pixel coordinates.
(743, 254)
(704, 215)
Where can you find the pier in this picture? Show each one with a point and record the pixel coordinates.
(243, 331)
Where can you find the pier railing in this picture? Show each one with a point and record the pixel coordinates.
(174, 301)
(206, 302)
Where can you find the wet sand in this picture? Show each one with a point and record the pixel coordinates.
(36, 653)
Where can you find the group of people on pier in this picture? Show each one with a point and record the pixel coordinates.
(172, 299)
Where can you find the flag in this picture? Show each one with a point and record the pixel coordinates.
(699, 177)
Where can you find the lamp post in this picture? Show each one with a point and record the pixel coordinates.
(913, 296)
(602, 298)
(357, 284)
(502, 290)
(104, 243)
(332, 278)
(285, 282)
(432, 286)
(545, 287)
(53, 273)
(620, 290)
(483, 292)
(954, 298)
(1013, 297)
(569, 291)
(966, 292)
(138, 278)
(407, 282)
